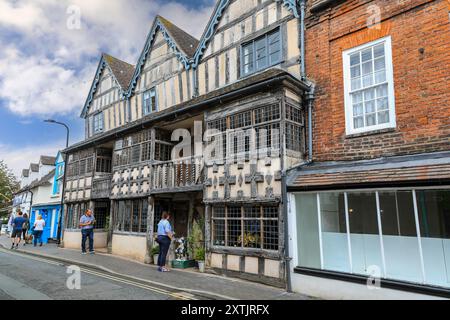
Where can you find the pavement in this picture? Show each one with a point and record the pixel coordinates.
(204, 285)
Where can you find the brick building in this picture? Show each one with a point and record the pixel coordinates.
(374, 198)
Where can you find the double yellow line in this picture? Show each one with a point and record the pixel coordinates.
(180, 296)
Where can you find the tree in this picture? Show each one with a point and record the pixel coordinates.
(8, 185)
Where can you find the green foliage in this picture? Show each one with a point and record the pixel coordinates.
(196, 241)
(8, 185)
(199, 254)
(155, 250)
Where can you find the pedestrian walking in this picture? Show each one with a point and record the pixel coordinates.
(25, 227)
(165, 236)
(87, 222)
(38, 230)
(17, 225)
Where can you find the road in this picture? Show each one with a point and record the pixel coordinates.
(24, 277)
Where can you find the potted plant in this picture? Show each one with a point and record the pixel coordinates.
(155, 254)
(200, 258)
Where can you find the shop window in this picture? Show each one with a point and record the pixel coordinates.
(131, 216)
(334, 232)
(434, 216)
(377, 231)
(401, 246)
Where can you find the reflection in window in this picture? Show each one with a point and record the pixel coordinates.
(401, 246)
(434, 216)
(334, 232)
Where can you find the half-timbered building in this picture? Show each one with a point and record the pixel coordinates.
(148, 127)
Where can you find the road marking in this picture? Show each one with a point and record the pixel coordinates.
(181, 295)
(27, 256)
(20, 291)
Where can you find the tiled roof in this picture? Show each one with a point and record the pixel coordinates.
(34, 167)
(48, 161)
(187, 43)
(122, 70)
(38, 182)
(425, 168)
(43, 180)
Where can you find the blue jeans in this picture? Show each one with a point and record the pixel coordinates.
(164, 245)
(38, 236)
(87, 233)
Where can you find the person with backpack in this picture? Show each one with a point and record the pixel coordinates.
(17, 230)
(25, 227)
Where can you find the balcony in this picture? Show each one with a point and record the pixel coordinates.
(101, 187)
(177, 176)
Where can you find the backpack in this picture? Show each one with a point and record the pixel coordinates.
(26, 225)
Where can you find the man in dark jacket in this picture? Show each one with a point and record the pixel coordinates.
(18, 223)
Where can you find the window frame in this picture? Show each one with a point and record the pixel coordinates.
(98, 130)
(349, 124)
(253, 42)
(153, 108)
(263, 221)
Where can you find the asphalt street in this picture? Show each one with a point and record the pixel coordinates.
(31, 278)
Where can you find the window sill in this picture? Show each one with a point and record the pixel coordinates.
(370, 133)
(384, 283)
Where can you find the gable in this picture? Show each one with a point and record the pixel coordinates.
(59, 158)
(109, 84)
(234, 14)
(164, 39)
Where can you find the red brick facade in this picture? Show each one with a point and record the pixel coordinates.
(420, 32)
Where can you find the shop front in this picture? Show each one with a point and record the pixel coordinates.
(386, 237)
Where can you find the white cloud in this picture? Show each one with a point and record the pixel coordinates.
(18, 159)
(47, 68)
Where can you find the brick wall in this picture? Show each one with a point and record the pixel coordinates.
(420, 31)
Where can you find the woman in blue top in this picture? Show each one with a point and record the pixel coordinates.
(165, 235)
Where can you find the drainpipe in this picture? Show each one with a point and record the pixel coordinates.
(287, 258)
(310, 100)
(309, 97)
(302, 39)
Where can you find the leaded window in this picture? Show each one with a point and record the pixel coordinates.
(131, 216)
(250, 226)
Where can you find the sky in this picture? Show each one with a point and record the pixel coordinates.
(49, 52)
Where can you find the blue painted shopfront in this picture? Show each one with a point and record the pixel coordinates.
(51, 215)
